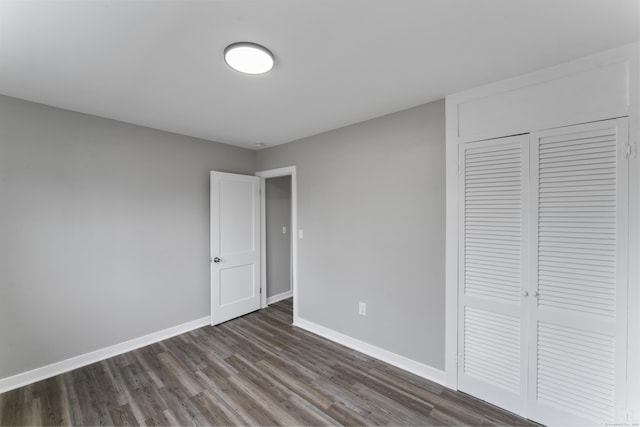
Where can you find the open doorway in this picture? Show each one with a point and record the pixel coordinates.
(279, 238)
(278, 233)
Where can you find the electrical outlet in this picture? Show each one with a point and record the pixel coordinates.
(284, 229)
(300, 234)
(362, 309)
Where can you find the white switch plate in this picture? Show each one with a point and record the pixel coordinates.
(284, 229)
(300, 234)
(362, 309)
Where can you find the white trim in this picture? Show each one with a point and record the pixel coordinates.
(279, 297)
(263, 244)
(275, 173)
(452, 102)
(417, 368)
(571, 74)
(76, 362)
(633, 292)
(451, 247)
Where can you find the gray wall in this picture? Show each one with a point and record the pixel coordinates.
(371, 202)
(104, 231)
(278, 214)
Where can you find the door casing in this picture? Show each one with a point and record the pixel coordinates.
(275, 173)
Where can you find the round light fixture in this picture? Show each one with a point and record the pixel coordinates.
(249, 58)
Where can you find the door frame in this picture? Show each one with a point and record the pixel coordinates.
(276, 173)
(573, 73)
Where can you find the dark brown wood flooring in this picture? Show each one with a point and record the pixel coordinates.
(254, 370)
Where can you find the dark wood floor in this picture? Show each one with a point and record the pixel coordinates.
(255, 370)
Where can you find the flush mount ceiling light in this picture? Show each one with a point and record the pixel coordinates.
(249, 58)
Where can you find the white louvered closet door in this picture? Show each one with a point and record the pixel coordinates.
(493, 274)
(579, 247)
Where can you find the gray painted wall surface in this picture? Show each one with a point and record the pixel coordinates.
(371, 202)
(104, 231)
(278, 214)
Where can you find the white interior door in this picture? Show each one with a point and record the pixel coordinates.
(492, 313)
(578, 327)
(235, 245)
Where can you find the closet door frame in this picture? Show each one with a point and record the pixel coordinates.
(608, 80)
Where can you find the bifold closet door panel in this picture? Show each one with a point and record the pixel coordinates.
(579, 247)
(493, 241)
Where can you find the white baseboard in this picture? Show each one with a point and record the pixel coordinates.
(76, 362)
(417, 368)
(67, 365)
(279, 297)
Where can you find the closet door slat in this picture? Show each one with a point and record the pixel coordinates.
(494, 180)
(578, 256)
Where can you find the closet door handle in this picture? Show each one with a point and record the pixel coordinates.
(216, 260)
(525, 293)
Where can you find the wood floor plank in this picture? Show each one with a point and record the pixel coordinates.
(93, 407)
(216, 413)
(307, 413)
(346, 416)
(10, 409)
(160, 419)
(255, 370)
(52, 410)
(186, 378)
(350, 404)
(123, 416)
(181, 407)
(407, 400)
(74, 409)
(183, 348)
(223, 403)
(298, 386)
(243, 403)
(235, 399)
(258, 379)
(392, 410)
(270, 407)
(34, 416)
(144, 399)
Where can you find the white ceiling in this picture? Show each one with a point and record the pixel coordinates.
(159, 63)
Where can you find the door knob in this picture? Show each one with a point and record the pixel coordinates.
(216, 259)
(525, 293)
